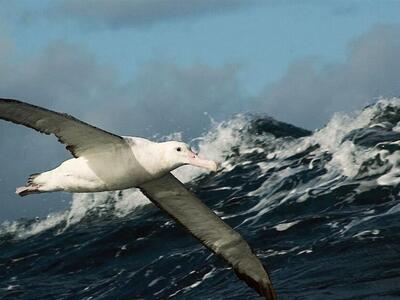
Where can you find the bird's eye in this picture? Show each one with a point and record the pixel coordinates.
(179, 149)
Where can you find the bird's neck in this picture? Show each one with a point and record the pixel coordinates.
(152, 157)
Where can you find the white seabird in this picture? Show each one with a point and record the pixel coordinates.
(104, 161)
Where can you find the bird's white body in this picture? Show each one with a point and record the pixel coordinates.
(111, 168)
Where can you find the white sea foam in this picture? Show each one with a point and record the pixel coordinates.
(285, 226)
(346, 160)
(20, 231)
(393, 176)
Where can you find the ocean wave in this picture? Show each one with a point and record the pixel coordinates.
(318, 200)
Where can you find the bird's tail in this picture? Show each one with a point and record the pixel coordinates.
(30, 188)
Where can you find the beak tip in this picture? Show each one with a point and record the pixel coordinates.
(206, 164)
(214, 167)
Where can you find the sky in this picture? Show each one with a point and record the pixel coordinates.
(155, 67)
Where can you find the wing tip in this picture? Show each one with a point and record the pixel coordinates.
(267, 291)
(263, 286)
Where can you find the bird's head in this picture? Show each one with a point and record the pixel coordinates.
(178, 154)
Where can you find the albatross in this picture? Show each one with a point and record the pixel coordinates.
(103, 161)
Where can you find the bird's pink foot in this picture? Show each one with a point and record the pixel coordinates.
(26, 190)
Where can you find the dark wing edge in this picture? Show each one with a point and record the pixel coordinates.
(171, 196)
(77, 135)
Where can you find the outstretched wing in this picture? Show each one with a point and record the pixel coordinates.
(169, 194)
(79, 137)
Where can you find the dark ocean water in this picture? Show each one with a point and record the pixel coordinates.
(321, 210)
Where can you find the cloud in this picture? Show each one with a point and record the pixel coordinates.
(309, 93)
(61, 73)
(126, 13)
(165, 98)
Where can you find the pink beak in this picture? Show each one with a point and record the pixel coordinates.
(194, 160)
